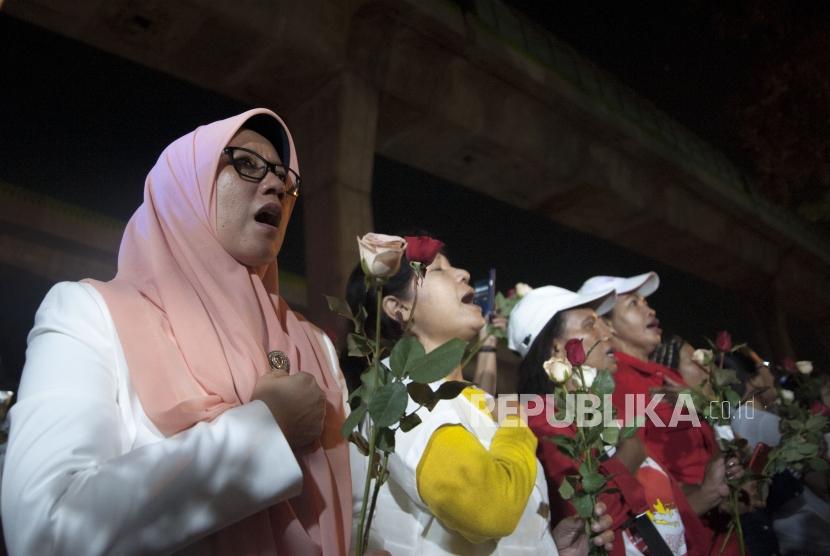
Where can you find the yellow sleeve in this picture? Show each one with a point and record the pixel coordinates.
(479, 493)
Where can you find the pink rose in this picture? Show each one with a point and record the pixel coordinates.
(380, 254)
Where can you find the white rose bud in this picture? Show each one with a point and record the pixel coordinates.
(381, 254)
(522, 289)
(588, 373)
(558, 369)
(787, 395)
(702, 356)
(804, 367)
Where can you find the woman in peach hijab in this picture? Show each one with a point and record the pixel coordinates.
(183, 405)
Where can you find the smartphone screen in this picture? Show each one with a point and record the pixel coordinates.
(485, 293)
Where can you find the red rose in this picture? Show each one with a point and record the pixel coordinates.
(789, 365)
(724, 341)
(575, 351)
(422, 249)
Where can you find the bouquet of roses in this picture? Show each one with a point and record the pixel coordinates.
(717, 410)
(802, 384)
(386, 387)
(802, 434)
(799, 449)
(576, 381)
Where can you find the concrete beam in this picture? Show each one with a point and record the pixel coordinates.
(336, 142)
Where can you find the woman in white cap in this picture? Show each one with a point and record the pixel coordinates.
(460, 482)
(539, 327)
(688, 453)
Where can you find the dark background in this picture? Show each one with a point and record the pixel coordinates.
(85, 127)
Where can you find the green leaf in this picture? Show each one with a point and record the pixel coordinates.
(410, 421)
(566, 489)
(438, 363)
(451, 389)
(611, 435)
(808, 449)
(816, 422)
(369, 381)
(566, 445)
(421, 394)
(356, 393)
(406, 350)
(724, 377)
(360, 320)
(593, 482)
(340, 307)
(358, 346)
(603, 384)
(388, 404)
(733, 398)
(627, 432)
(386, 440)
(352, 421)
(819, 464)
(584, 505)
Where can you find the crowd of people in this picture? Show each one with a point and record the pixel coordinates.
(184, 407)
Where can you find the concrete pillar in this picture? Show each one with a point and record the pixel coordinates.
(335, 134)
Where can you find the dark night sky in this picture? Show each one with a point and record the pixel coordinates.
(669, 52)
(84, 126)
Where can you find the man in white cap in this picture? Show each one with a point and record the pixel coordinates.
(635, 324)
(689, 454)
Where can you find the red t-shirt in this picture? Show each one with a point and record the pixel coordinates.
(628, 502)
(683, 450)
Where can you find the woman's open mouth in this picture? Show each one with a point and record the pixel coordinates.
(269, 214)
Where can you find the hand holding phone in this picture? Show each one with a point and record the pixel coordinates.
(485, 294)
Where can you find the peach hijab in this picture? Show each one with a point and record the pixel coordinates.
(196, 327)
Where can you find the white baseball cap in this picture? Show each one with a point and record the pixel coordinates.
(534, 311)
(643, 284)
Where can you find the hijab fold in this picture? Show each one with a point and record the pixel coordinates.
(196, 327)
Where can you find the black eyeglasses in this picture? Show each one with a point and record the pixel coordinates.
(252, 166)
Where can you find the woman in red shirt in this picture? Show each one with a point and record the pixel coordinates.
(540, 325)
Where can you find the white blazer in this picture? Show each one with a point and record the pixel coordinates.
(86, 472)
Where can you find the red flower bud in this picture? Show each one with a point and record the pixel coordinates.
(724, 341)
(789, 365)
(575, 351)
(422, 249)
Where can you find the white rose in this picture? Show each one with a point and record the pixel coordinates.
(588, 373)
(522, 290)
(787, 395)
(702, 356)
(804, 367)
(381, 254)
(558, 369)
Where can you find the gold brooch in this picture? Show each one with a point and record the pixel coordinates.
(279, 361)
